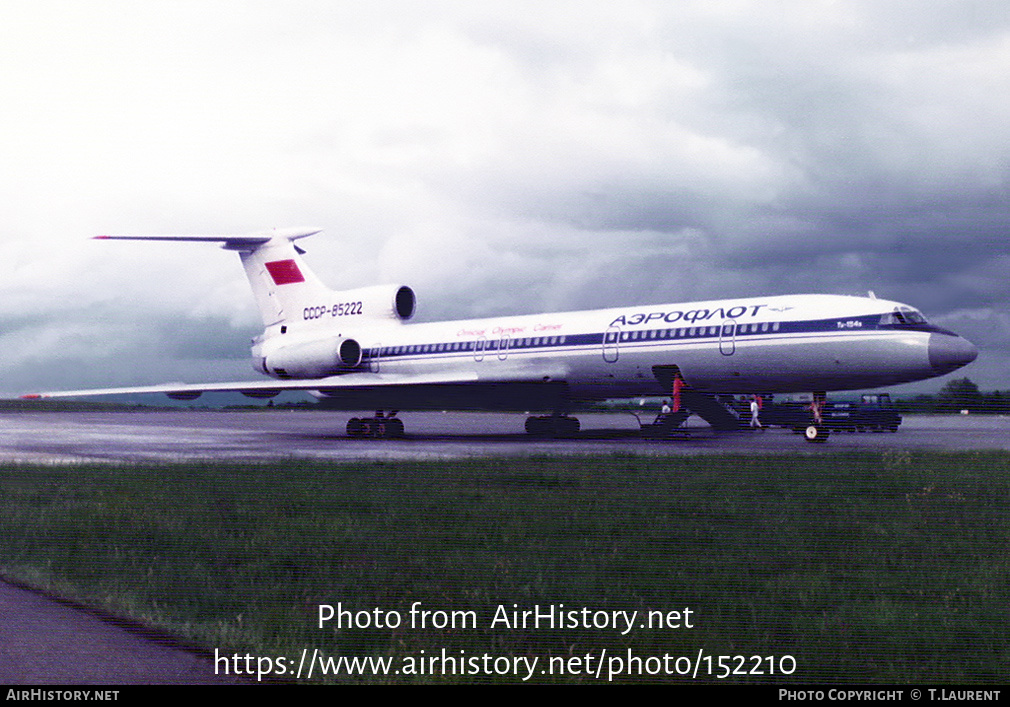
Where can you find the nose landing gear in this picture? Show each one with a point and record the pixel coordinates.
(817, 431)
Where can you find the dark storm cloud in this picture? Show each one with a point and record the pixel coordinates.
(115, 350)
(880, 128)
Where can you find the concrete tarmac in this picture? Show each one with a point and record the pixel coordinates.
(43, 641)
(47, 642)
(130, 437)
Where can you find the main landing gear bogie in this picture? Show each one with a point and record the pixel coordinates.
(378, 427)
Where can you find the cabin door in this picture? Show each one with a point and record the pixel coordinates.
(727, 337)
(611, 339)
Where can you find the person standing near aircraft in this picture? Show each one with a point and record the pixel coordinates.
(664, 412)
(755, 409)
(816, 406)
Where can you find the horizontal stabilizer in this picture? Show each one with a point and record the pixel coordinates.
(231, 242)
(282, 284)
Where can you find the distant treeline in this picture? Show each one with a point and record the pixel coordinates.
(957, 395)
(67, 406)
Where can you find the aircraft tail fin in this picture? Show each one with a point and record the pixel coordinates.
(282, 283)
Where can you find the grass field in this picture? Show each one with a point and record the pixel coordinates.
(867, 568)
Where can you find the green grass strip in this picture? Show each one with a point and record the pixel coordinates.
(866, 568)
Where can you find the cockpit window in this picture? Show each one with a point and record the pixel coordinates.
(903, 316)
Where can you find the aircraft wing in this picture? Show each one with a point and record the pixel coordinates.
(269, 388)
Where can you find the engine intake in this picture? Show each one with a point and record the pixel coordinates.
(405, 302)
(349, 353)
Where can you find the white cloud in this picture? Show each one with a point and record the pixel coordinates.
(581, 153)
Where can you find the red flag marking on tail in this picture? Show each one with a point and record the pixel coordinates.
(285, 272)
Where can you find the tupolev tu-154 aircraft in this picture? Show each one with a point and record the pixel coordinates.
(357, 349)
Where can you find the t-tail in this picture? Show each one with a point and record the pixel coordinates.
(287, 292)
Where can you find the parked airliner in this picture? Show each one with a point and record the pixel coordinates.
(358, 350)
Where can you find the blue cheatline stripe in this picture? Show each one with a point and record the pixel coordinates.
(698, 332)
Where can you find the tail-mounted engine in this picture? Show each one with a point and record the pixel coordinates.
(313, 359)
(378, 302)
(320, 356)
(386, 301)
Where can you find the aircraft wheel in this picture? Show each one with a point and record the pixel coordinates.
(355, 428)
(379, 428)
(569, 426)
(394, 428)
(813, 433)
(540, 426)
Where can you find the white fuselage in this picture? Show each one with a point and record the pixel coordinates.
(770, 344)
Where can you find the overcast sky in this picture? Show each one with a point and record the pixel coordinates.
(499, 157)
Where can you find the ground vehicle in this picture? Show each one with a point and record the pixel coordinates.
(873, 413)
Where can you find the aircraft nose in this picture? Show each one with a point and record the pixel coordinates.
(948, 353)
